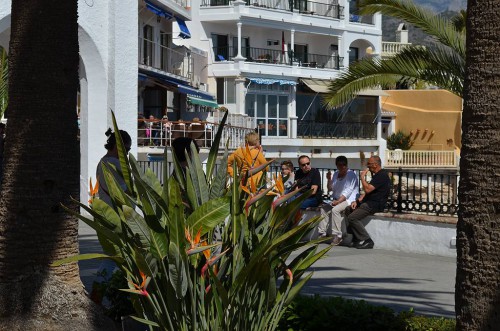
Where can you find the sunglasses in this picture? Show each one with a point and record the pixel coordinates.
(305, 164)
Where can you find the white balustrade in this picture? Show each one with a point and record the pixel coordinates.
(420, 159)
(392, 48)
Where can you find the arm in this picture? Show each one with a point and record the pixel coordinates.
(367, 187)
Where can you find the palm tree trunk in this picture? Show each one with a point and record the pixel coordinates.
(477, 298)
(41, 172)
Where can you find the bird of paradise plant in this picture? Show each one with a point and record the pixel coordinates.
(224, 277)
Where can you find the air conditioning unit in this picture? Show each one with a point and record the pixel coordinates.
(203, 87)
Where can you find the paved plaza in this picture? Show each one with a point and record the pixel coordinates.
(398, 280)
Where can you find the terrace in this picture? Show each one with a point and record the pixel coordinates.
(274, 56)
(331, 9)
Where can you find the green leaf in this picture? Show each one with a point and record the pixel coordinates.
(84, 257)
(214, 150)
(144, 321)
(177, 272)
(106, 212)
(209, 215)
(122, 154)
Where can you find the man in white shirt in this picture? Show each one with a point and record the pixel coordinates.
(344, 186)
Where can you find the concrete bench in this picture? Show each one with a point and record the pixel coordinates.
(412, 233)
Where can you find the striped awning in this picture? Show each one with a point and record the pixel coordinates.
(270, 81)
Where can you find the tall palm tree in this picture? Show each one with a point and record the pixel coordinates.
(41, 171)
(442, 65)
(477, 292)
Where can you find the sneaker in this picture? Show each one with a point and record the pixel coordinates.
(366, 244)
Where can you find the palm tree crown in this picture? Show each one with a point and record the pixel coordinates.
(442, 65)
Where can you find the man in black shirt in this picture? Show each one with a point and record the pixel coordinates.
(374, 200)
(307, 178)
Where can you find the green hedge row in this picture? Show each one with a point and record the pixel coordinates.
(339, 314)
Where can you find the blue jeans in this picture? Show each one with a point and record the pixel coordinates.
(309, 202)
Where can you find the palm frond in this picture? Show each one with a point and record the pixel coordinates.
(438, 66)
(434, 25)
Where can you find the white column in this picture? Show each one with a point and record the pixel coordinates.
(292, 39)
(340, 44)
(239, 58)
(239, 24)
(293, 113)
(240, 95)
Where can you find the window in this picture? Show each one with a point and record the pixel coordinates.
(221, 47)
(353, 54)
(226, 90)
(245, 47)
(147, 54)
(165, 41)
(269, 107)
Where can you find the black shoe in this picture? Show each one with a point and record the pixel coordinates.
(366, 244)
(350, 244)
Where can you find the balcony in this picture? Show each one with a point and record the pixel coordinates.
(160, 133)
(338, 130)
(331, 9)
(392, 48)
(421, 159)
(274, 56)
(178, 61)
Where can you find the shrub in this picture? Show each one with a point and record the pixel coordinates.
(399, 140)
(336, 313)
(201, 254)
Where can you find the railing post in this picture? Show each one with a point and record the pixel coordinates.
(399, 208)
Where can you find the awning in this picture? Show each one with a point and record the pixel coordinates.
(269, 81)
(181, 87)
(185, 34)
(158, 11)
(317, 85)
(373, 93)
(203, 102)
(194, 92)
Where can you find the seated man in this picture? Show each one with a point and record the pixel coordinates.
(306, 178)
(374, 200)
(345, 188)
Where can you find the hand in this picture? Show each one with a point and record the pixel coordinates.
(364, 172)
(335, 202)
(354, 204)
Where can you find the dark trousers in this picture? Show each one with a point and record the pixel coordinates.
(353, 220)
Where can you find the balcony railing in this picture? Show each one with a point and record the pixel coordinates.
(421, 159)
(161, 133)
(275, 56)
(163, 58)
(340, 130)
(332, 9)
(364, 19)
(392, 48)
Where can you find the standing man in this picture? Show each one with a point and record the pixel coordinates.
(307, 177)
(374, 200)
(345, 188)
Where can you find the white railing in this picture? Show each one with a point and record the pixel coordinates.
(391, 48)
(161, 133)
(420, 159)
(233, 119)
(178, 61)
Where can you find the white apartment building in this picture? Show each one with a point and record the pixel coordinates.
(271, 60)
(267, 61)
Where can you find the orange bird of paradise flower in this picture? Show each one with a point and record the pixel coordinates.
(141, 289)
(93, 190)
(194, 243)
